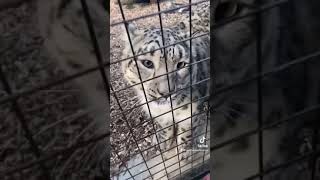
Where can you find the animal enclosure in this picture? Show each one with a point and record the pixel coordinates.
(46, 133)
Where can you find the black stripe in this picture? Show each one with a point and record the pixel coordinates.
(140, 50)
(150, 42)
(180, 52)
(130, 62)
(158, 43)
(173, 51)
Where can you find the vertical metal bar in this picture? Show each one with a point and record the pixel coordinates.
(130, 129)
(259, 90)
(96, 47)
(190, 71)
(144, 92)
(213, 7)
(98, 54)
(165, 57)
(28, 134)
(124, 164)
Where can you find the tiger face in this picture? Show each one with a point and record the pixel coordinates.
(154, 65)
(65, 30)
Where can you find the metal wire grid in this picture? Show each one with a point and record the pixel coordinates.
(258, 78)
(170, 93)
(41, 159)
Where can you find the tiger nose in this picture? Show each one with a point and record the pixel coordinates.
(165, 93)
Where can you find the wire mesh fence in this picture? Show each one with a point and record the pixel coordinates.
(195, 171)
(153, 170)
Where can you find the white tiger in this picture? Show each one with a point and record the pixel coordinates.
(157, 86)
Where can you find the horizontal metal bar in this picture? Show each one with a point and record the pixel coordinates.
(163, 168)
(198, 114)
(286, 164)
(157, 13)
(68, 118)
(198, 176)
(163, 151)
(150, 119)
(124, 111)
(54, 155)
(272, 125)
(47, 104)
(162, 163)
(160, 48)
(24, 124)
(17, 95)
(81, 73)
(191, 64)
(178, 167)
(194, 115)
(259, 9)
(71, 77)
(296, 61)
(280, 68)
(169, 138)
(124, 163)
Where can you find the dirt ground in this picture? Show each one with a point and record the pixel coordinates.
(135, 117)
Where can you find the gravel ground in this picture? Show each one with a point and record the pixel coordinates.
(136, 117)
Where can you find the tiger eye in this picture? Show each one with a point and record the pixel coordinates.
(181, 65)
(148, 64)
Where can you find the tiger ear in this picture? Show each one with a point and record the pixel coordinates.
(132, 30)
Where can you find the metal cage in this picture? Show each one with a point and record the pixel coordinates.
(196, 173)
(204, 167)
